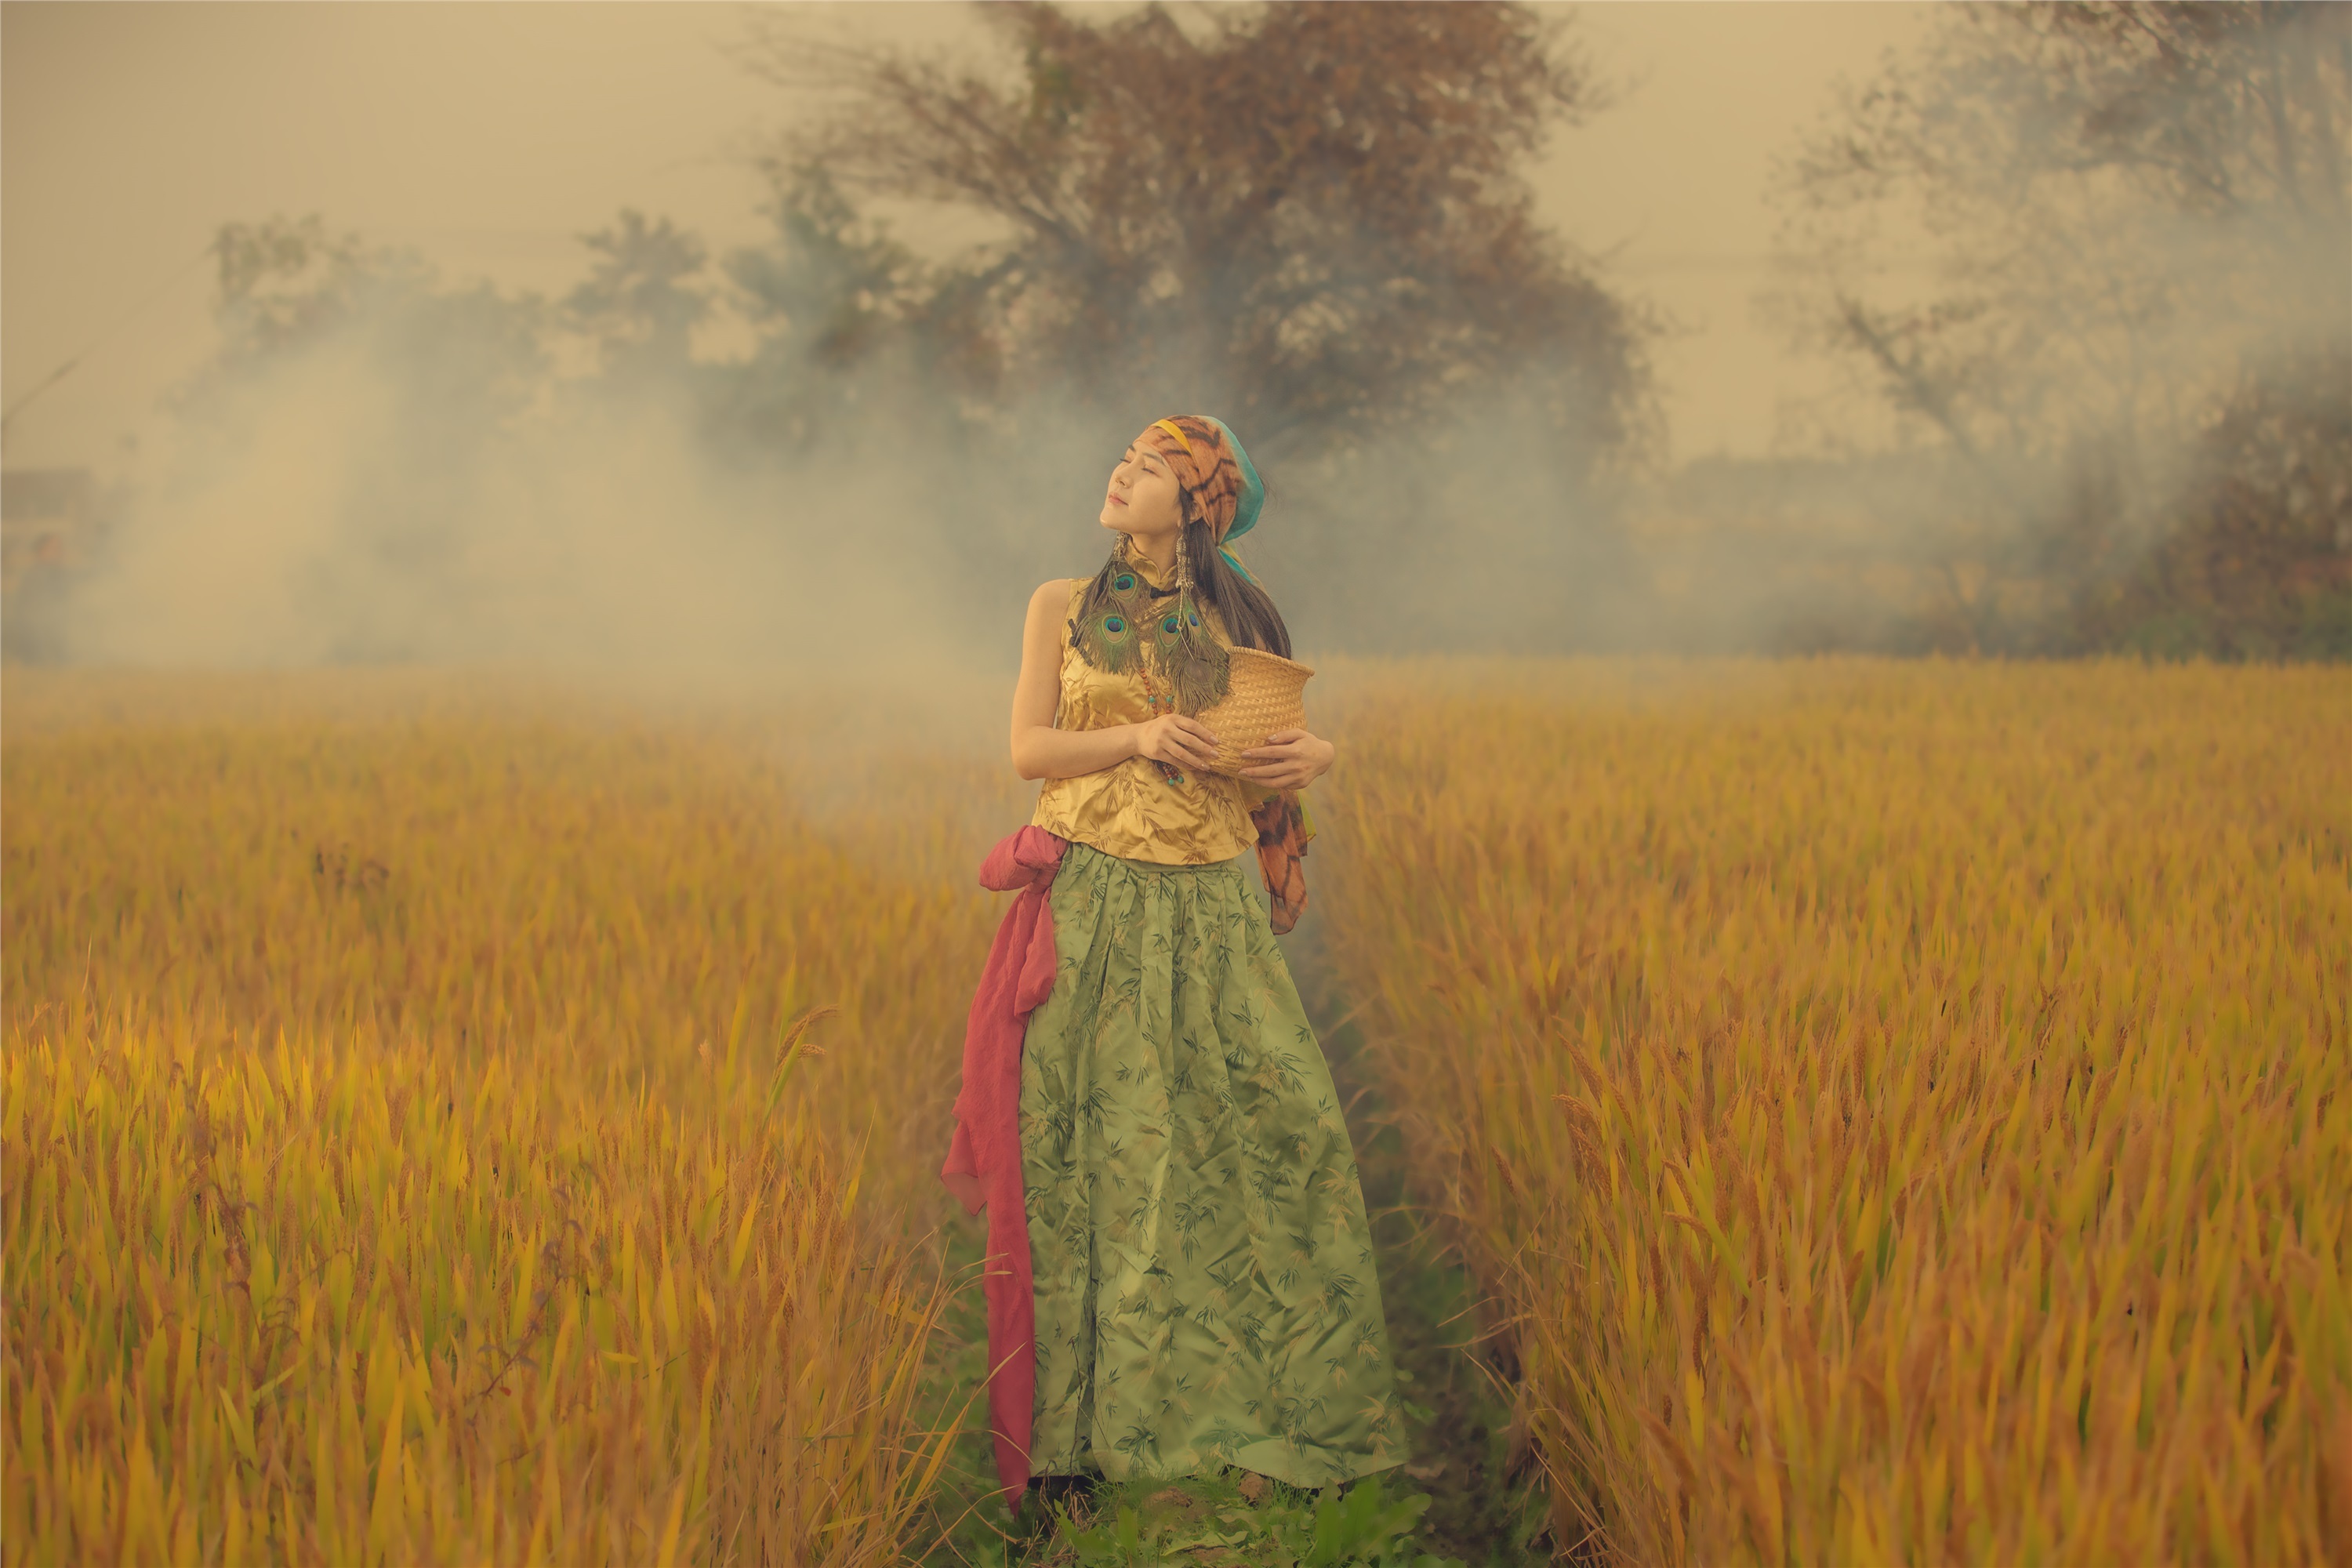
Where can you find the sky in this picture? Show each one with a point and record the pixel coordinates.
(489, 136)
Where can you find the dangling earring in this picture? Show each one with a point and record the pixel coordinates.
(1197, 664)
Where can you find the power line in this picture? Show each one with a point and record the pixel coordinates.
(100, 340)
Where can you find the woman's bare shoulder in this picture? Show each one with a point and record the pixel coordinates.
(1052, 596)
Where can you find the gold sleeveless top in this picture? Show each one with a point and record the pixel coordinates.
(1129, 809)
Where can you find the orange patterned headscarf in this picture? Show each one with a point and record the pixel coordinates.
(1208, 464)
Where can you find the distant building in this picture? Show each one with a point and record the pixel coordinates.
(48, 521)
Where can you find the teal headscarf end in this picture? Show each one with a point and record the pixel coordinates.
(1252, 496)
(1236, 565)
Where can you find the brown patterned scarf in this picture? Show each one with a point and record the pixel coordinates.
(1283, 831)
(1205, 466)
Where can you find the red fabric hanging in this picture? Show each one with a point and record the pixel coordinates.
(983, 1164)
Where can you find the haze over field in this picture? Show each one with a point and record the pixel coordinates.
(439, 425)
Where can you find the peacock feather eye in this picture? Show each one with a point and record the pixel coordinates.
(1124, 582)
(1196, 620)
(1169, 626)
(1116, 626)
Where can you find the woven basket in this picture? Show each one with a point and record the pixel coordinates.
(1264, 693)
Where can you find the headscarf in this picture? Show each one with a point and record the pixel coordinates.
(1209, 461)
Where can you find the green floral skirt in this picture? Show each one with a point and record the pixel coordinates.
(1204, 1281)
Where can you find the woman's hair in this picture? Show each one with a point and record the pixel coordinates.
(1247, 610)
(1250, 620)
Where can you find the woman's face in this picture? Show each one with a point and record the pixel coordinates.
(1143, 500)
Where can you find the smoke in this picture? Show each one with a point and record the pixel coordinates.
(2119, 227)
(362, 500)
(335, 505)
(374, 496)
(440, 476)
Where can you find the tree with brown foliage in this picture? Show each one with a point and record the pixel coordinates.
(2132, 208)
(2120, 196)
(2261, 565)
(1306, 216)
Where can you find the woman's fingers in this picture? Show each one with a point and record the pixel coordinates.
(1187, 742)
(1197, 739)
(1280, 761)
(1179, 738)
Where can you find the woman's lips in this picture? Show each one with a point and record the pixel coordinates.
(1116, 500)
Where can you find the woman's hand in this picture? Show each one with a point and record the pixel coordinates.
(1178, 739)
(1290, 759)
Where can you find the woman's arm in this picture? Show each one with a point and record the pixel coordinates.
(1042, 751)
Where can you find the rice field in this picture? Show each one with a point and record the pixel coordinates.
(434, 1131)
(1891, 1110)
(1898, 1110)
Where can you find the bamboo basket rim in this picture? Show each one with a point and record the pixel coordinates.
(1240, 651)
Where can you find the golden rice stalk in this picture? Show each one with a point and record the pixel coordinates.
(409, 1149)
(413, 1304)
(641, 891)
(1900, 1109)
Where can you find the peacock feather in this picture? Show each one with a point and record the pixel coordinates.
(1108, 632)
(1117, 624)
(1196, 664)
(1109, 640)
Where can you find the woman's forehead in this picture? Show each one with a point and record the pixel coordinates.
(1154, 440)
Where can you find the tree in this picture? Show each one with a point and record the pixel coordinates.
(283, 282)
(833, 304)
(2261, 566)
(291, 287)
(642, 298)
(2130, 206)
(1306, 217)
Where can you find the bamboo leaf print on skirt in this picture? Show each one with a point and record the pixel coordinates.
(1206, 1290)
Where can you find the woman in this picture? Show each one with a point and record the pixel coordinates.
(1180, 1273)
